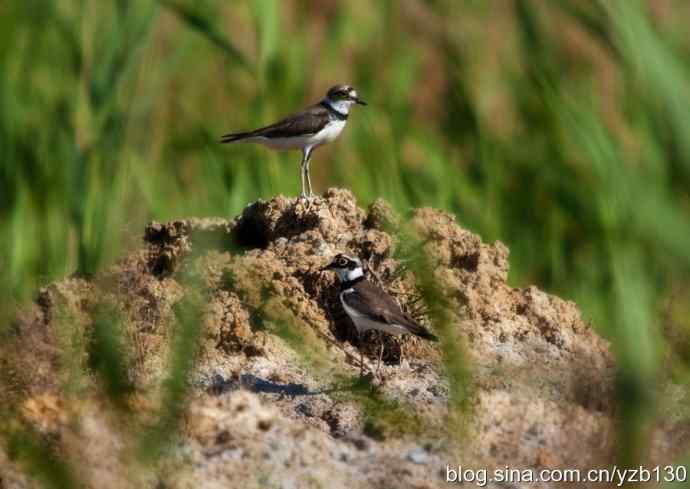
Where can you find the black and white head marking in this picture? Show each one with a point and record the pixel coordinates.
(348, 268)
(341, 97)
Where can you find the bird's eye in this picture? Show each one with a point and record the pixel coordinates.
(342, 262)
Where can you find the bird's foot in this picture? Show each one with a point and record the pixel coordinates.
(305, 200)
(308, 200)
(379, 378)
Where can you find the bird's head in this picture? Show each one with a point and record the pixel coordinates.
(342, 97)
(346, 267)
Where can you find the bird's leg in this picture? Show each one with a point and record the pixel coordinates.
(309, 190)
(303, 168)
(361, 354)
(402, 352)
(308, 162)
(378, 365)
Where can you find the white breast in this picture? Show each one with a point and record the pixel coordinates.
(353, 313)
(328, 133)
(331, 131)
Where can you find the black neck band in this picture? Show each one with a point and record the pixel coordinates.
(341, 116)
(349, 283)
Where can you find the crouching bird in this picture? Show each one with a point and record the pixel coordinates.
(369, 306)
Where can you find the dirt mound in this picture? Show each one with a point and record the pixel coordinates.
(266, 411)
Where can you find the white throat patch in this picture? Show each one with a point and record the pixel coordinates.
(347, 275)
(342, 106)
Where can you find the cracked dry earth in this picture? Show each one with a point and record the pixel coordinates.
(266, 413)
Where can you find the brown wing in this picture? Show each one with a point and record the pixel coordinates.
(309, 121)
(379, 306)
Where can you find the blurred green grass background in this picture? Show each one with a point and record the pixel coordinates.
(561, 128)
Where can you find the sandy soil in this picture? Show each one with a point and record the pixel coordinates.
(267, 413)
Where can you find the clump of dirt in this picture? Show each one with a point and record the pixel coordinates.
(268, 404)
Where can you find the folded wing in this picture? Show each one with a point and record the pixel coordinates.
(379, 306)
(308, 122)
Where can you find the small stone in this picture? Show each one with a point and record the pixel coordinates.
(418, 456)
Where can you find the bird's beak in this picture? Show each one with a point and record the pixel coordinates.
(328, 267)
(359, 101)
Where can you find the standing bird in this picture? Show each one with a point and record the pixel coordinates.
(369, 306)
(316, 125)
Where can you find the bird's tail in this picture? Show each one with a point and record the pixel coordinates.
(427, 335)
(238, 136)
(419, 330)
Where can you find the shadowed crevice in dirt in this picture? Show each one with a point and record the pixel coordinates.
(255, 228)
(171, 242)
(256, 384)
(250, 232)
